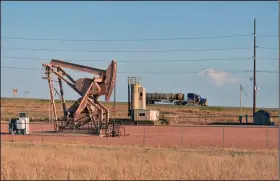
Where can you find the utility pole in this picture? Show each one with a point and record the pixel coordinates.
(279, 90)
(241, 99)
(254, 75)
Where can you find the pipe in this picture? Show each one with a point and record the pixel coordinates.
(132, 100)
(129, 97)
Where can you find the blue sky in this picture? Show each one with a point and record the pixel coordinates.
(142, 20)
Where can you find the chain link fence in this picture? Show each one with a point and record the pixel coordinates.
(189, 136)
(191, 127)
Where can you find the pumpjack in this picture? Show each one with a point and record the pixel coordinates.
(87, 108)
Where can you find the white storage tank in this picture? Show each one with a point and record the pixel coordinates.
(23, 124)
(135, 96)
(142, 98)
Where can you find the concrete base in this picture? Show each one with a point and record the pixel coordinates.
(127, 121)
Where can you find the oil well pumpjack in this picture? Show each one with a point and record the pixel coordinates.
(86, 109)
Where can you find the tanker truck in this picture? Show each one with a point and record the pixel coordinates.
(177, 99)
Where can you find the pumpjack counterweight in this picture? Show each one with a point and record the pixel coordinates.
(86, 109)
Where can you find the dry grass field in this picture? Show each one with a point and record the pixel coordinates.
(68, 162)
(55, 160)
(39, 109)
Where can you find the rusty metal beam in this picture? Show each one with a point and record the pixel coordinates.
(83, 102)
(110, 81)
(59, 69)
(62, 96)
(70, 84)
(78, 67)
(51, 92)
(104, 108)
(57, 92)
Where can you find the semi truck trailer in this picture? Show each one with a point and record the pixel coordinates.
(177, 99)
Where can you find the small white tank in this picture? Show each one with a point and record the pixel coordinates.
(135, 96)
(23, 124)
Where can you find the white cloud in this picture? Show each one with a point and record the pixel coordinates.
(219, 78)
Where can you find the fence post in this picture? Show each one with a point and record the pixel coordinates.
(42, 132)
(182, 135)
(144, 136)
(223, 137)
(12, 133)
(266, 137)
(74, 133)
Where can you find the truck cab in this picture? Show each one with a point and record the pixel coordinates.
(203, 101)
(193, 98)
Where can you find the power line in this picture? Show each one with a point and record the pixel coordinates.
(244, 91)
(175, 72)
(124, 51)
(130, 40)
(267, 71)
(269, 35)
(27, 68)
(268, 48)
(23, 68)
(124, 40)
(264, 71)
(147, 61)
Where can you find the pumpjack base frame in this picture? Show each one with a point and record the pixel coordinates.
(111, 129)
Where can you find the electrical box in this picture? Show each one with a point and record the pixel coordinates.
(154, 115)
(145, 115)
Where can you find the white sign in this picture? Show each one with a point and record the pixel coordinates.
(14, 92)
(257, 88)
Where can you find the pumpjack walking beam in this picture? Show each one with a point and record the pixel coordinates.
(87, 108)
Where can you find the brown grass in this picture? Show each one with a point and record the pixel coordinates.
(26, 161)
(38, 109)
